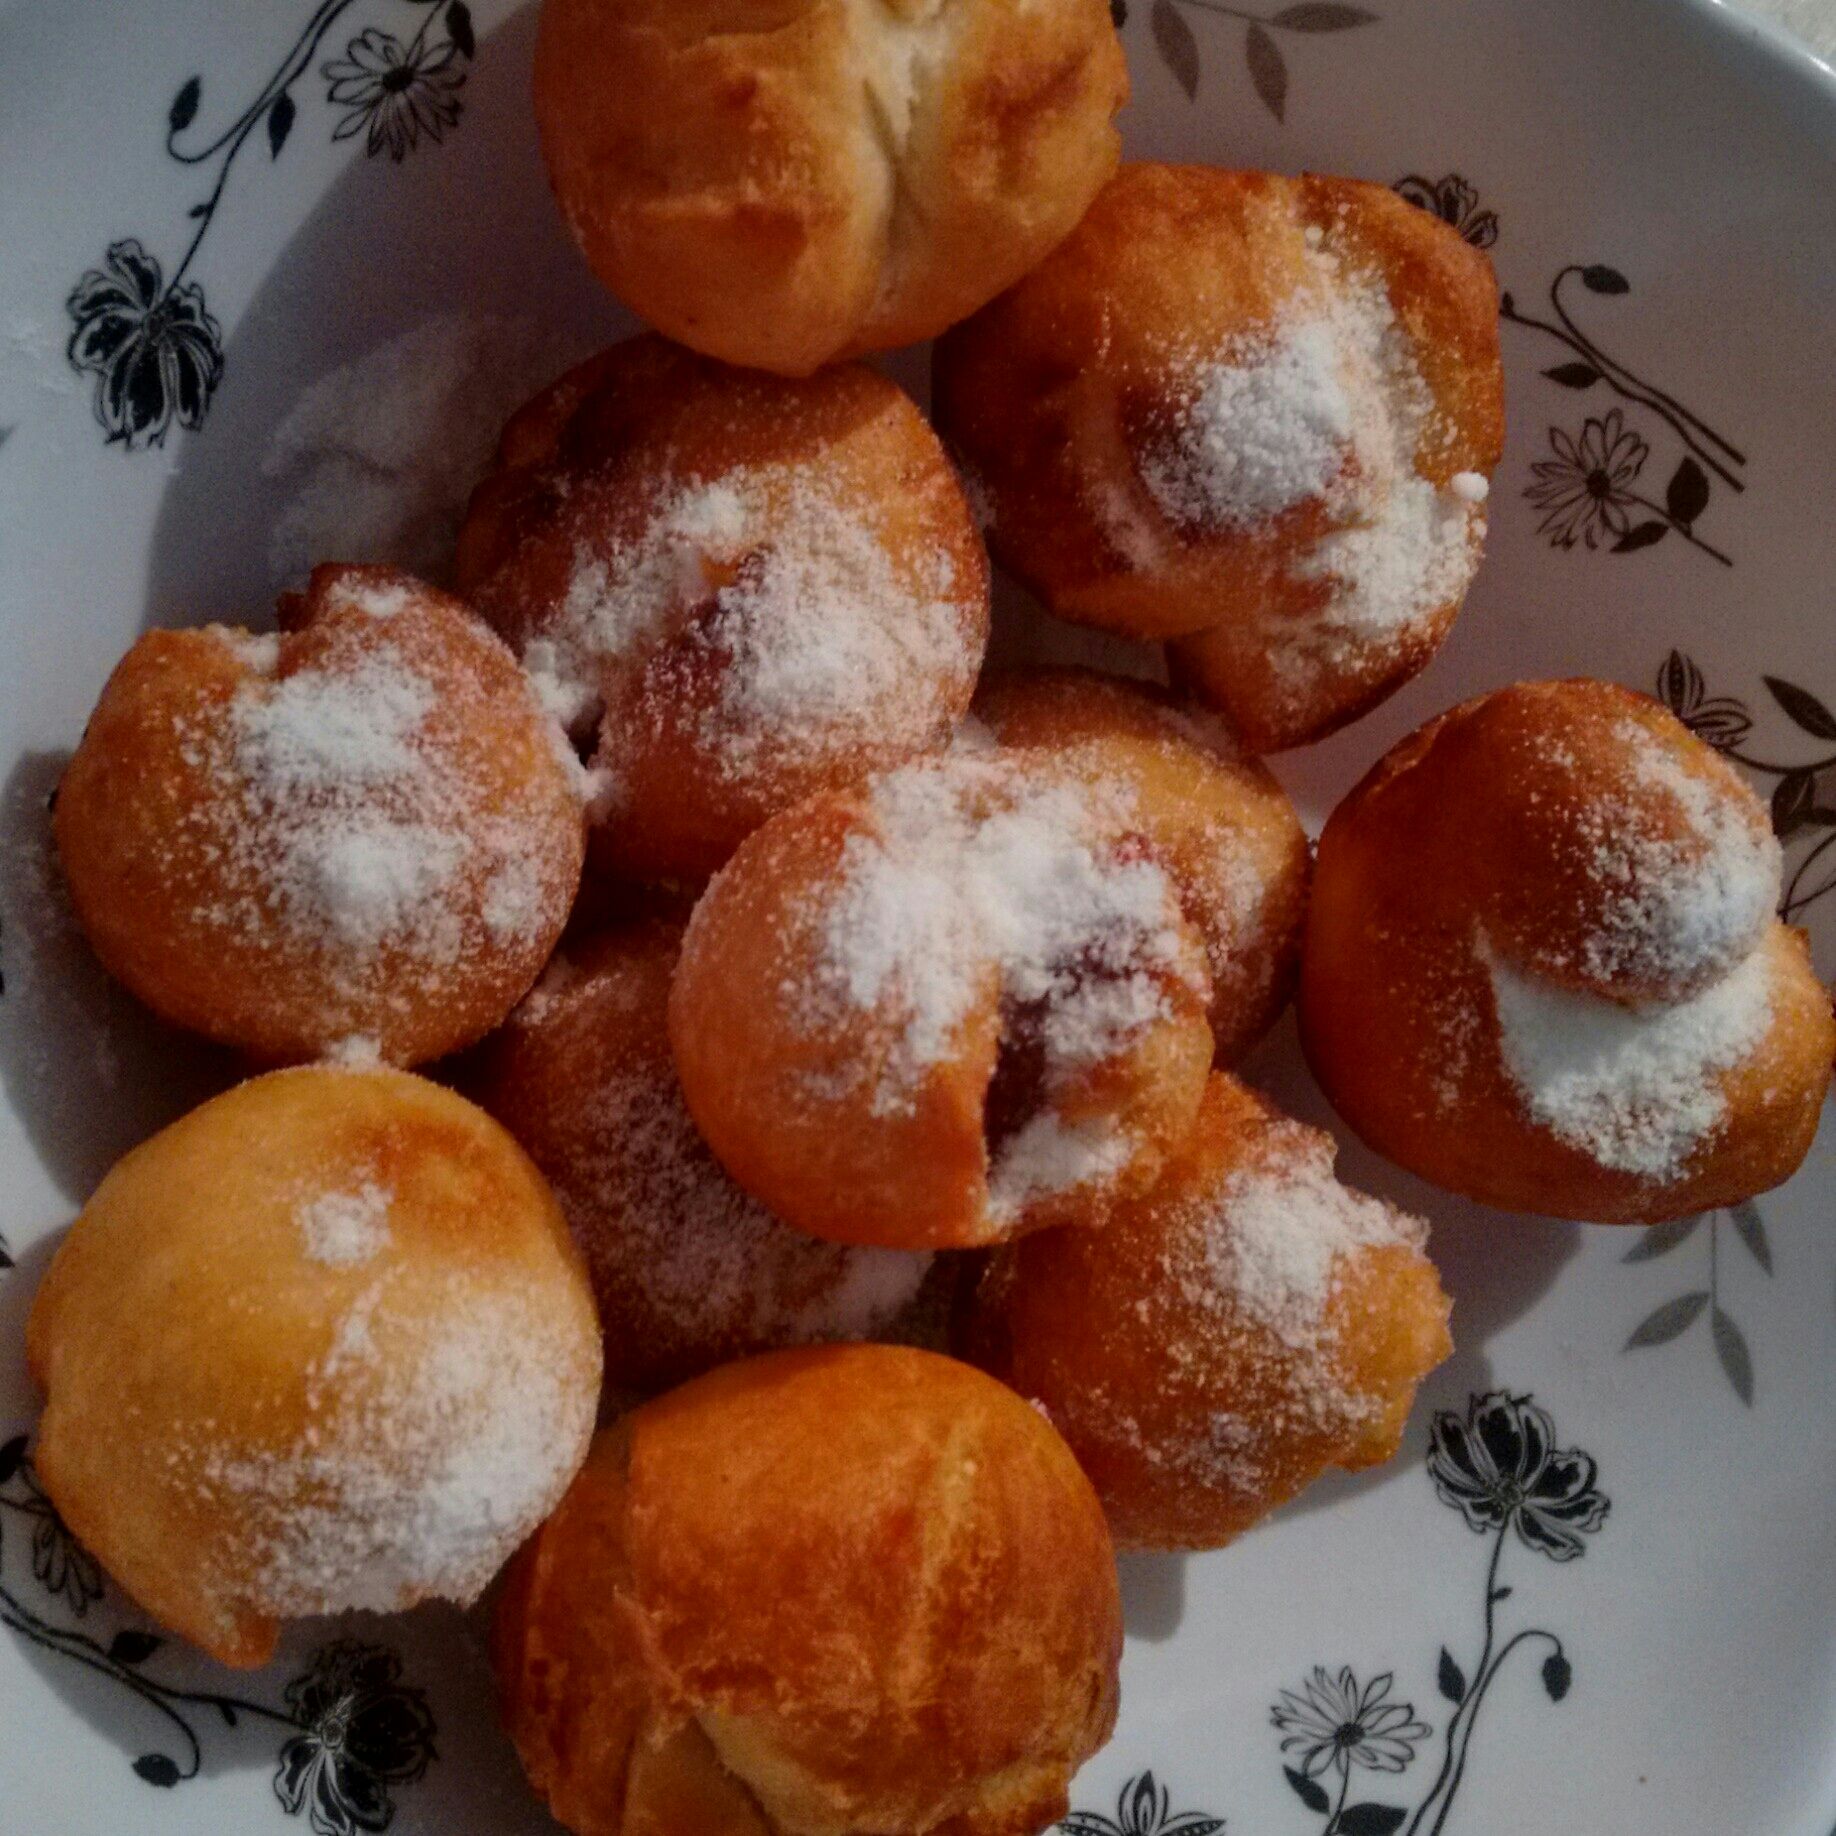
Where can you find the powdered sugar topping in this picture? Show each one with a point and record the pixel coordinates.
(817, 637)
(341, 1228)
(1637, 1088)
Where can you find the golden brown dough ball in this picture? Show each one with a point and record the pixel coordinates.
(818, 1592)
(1249, 414)
(1541, 966)
(363, 832)
(688, 1270)
(321, 1344)
(959, 1002)
(781, 183)
(1213, 817)
(1225, 1338)
(737, 589)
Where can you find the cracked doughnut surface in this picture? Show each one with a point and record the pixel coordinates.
(784, 182)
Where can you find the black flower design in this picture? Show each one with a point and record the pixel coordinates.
(394, 93)
(1455, 202)
(1585, 491)
(1500, 1467)
(1335, 1723)
(1719, 719)
(61, 1564)
(1143, 1808)
(363, 1730)
(155, 351)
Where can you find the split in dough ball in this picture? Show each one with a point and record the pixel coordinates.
(737, 589)
(321, 1344)
(689, 1271)
(1223, 1340)
(1214, 818)
(1252, 415)
(959, 1002)
(364, 832)
(1541, 966)
(781, 183)
(814, 1593)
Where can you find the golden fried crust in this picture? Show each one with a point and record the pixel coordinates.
(815, 1593)
(1486, 824)
(1055, 392)
(688, 1271)
(588, 467)
(781, 183)
(188, 873)
(1138, 1356)
(204, 1381)
(1216, 819)
(786, 1091)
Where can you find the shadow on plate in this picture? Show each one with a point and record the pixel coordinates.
(460, 246)
(88, 1071)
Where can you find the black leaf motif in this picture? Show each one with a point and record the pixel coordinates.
(6, 1255)
(1599, 278)
(199, 210)
(1502, 1593)
(1731, 1349)
(184, 109)
(157, 1769)
(280, 123)
(228, 1713)
(1751, 1229)
(1687, 494)
(1086, 1823)
(1574, 375)
(12, 1457)
(1642, 535)
(1802, 707)
(1794, 802)
(1661, 1239)
(1321, 17)
(459, 29)
(1558, 1673)
(1178, 48)
(133, 1647)
(1368, 1820)
(1191, 1823)
(1310, 1794)
(1451, 1678)
(1118, 13)
(1268, 72)
(1669, 1321)
(1506, 304)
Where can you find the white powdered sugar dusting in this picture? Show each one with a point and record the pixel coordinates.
(1267, 428)
(341, 1228)
(1634, 1087)
(435, 1443)
(1280, 1229)
(1675, 905)
(356, 815)
(1327, 405)
(1047, 1155)
(774, 575)
(970, 877)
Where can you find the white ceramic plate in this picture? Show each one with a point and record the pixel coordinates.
(206, 208)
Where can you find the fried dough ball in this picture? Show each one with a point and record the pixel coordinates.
(321, 1344)
(688, 1270)
(739, 590)
(1215, 819)
(781, 183)
(364, 831)
(1251, 415)
(1541, 966)
(818, 1592)
(959, 1002)
(1223, 1339)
